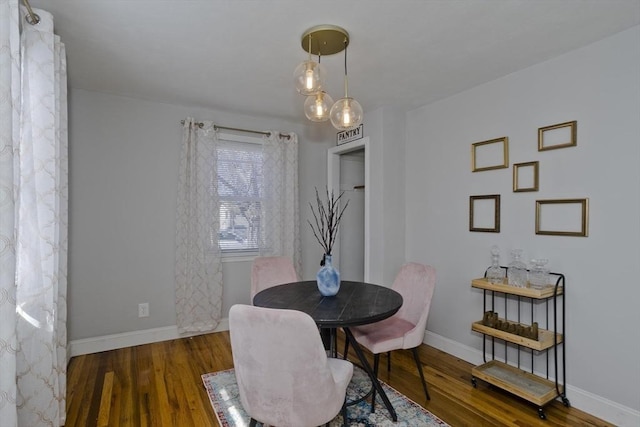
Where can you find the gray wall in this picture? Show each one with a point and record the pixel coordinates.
(599, 86)
(124, 156)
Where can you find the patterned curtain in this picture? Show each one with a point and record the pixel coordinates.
(280, 214)
(198, 262)
(33, 225)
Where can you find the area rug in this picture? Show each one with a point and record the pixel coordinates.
(223, 393)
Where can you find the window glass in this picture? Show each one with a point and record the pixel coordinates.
(240, 192)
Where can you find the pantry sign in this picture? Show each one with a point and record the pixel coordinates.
(349, 135)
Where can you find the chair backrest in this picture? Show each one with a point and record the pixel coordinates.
(281, 366)
(268, 271)
(416, 283)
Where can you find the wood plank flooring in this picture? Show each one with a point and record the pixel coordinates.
(159, 384)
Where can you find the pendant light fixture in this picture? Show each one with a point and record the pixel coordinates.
(346, 113)
(318, 106)
(309, 76)
(325, 40)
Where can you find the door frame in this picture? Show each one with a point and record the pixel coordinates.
(333, 184)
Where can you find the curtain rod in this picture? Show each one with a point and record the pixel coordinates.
(259, 132)
(33, 17)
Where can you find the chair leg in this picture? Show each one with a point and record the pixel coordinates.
(253, 422)
(345, 420)
(419, 366)
(376, 363)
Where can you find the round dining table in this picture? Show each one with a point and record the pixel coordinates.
(356, 303)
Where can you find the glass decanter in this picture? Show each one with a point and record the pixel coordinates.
(517, 270)
(495, 273)
(539, 275)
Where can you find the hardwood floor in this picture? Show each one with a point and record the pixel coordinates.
(159, 385)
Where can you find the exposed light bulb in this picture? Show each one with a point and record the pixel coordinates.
(309, 79)
(319, 108)
(346, 116)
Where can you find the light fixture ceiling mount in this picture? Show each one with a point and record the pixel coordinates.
(325, 40)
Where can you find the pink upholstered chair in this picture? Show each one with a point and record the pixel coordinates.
(268, 271)
(284, 375)
(405, 329)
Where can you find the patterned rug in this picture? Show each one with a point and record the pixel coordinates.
(223, 394)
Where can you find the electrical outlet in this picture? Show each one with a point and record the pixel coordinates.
(143, 309)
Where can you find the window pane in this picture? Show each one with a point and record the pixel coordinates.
(239, 171)
(240, 191)
(239, 225)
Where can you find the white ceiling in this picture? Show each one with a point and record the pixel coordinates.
(239, 56)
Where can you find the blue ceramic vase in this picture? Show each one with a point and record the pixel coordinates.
(328, 278)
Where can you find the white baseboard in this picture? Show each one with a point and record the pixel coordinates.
(461, 351)
(130, 339)
(585, 401)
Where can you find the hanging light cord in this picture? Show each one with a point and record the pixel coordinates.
(32, 17)
(346, 84)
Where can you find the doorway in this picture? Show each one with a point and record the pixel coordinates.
(348, 171)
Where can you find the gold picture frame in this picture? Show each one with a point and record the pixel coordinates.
(484, 213)
(561, 219)
(489, 155)
(557, 136)
(522, 183)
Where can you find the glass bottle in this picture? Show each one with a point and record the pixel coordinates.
(495, 273)
(517, 270)
(539, 275)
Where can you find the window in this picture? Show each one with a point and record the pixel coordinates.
(240, 192)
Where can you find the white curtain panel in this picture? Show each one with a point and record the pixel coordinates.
(280, 215)
(9, 138)
(33, 233)
(198, 262)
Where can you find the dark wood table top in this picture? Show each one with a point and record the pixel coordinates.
(357, 303)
